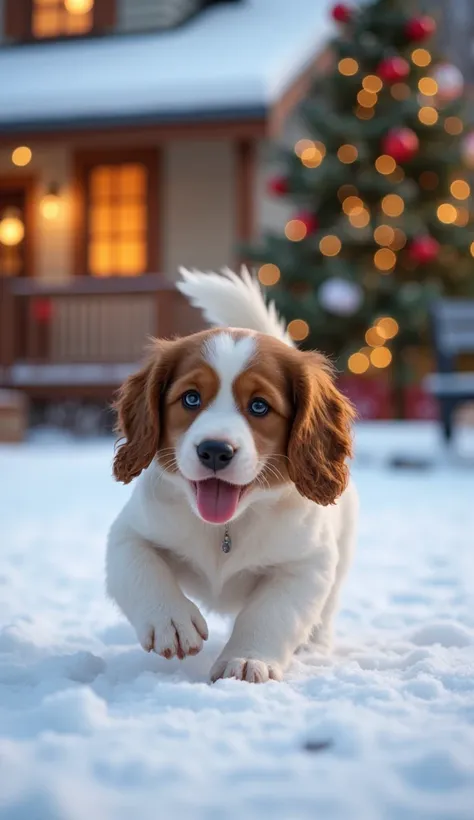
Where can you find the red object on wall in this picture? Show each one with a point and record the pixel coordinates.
(371, 397)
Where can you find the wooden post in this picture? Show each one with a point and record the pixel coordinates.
(245, 194)
(7, 330)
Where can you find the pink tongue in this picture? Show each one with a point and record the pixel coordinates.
(216, 500)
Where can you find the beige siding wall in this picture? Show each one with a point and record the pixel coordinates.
(199, 185)
(138, 15)
(52, 239)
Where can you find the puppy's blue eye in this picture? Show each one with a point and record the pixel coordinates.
(259, 407)
(191, 400)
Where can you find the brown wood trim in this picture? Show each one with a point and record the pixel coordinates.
(91, 137)
(92, 286)
(298, 90)
(28, 185)
(245, 173)
(84, 161)
(105, 15)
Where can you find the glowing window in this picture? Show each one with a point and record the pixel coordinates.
(61, 18)
(117, 239)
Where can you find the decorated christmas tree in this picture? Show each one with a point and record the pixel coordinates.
(381, 221)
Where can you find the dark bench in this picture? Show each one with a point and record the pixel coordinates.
(453, 333)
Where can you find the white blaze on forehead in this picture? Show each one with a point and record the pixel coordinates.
(229, 356)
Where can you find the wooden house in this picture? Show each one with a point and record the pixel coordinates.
(133, 139)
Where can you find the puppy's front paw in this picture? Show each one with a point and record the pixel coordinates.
(174, 633)
(247, 669)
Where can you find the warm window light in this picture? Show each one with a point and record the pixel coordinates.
(460, 189)
(79, 6)
(372, 83)
(471, 248)
(347, 154)
(12, 229)
(393, 205)
(360, 219)
(447, 213)
(358, 363)
(364, 113)
(385, 164)
(384, 260)
(50, 204)
(298, 329)
(421, 57)
(330, 245)
(453, 126)
(352, 205)
(366, 99)
(428, 86)
(428, 115)
(400, 91)
(387, 327)
(348, 66)
(21, 156)
(381, 357)
(399, 240)
(373, 337)
(384, 235)
(268, 275)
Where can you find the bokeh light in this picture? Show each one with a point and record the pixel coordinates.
(399, 240)
(269, 274)
(381, 357)
(330, 245)
(359, 219)
(460, 189)
(352, 205)
(393, 205)
(372, 83)
(295, 230)
(385, 164)
(21, 156)
(364, 113)
(345, 191)
(447, 213)
(385, 260)
(348, 66)
(79, 6)
(421, 57)
(453, 126)
(428, 115)
(367, 99)
(298, 329)
(347, 154)
(358, 363)
(463, 216)
(384, 235)
(400, 91)
(387, 327)
(374, 338)
(428, 86)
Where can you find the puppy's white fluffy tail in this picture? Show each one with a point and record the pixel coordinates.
(229, 300)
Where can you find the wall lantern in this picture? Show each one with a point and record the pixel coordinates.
(12, 228)
(50, 204)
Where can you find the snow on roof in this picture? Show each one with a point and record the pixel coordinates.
(234, 59)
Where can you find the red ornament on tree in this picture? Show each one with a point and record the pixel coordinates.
(278, 186)
(401, 143)
(423, 250)
(419, 28)
(393, 70)
(309, 220)
(341, 13)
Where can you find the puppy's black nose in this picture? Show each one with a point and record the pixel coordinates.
(215, 454)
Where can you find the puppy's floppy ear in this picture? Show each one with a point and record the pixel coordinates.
(138, 409)
(320, 439)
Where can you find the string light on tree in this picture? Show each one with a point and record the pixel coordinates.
(373, 337)
(298, 329)
(385, 260)
(421, 57)
(393, 205)
(347, 154)
(385, 164)
(384, 235)
(447, 213)
(353, 205)
(358, 363)
(359, 219)
(400, 91)
(460, 189)
(463, 216)
(269, 274)
(399, 240)
(372, 83)
(330, 245)
(295, 230)
(381, 357)
(428, 86)
(428, 115)
(453, 126)
(367, 99)
(387, 327)
(348, 66)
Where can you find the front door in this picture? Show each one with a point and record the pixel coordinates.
(13, 230)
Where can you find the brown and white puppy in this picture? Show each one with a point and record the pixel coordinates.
(241, 444)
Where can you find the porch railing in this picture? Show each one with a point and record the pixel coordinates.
(63, 332)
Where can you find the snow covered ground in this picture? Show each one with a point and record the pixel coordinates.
(92, 728)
